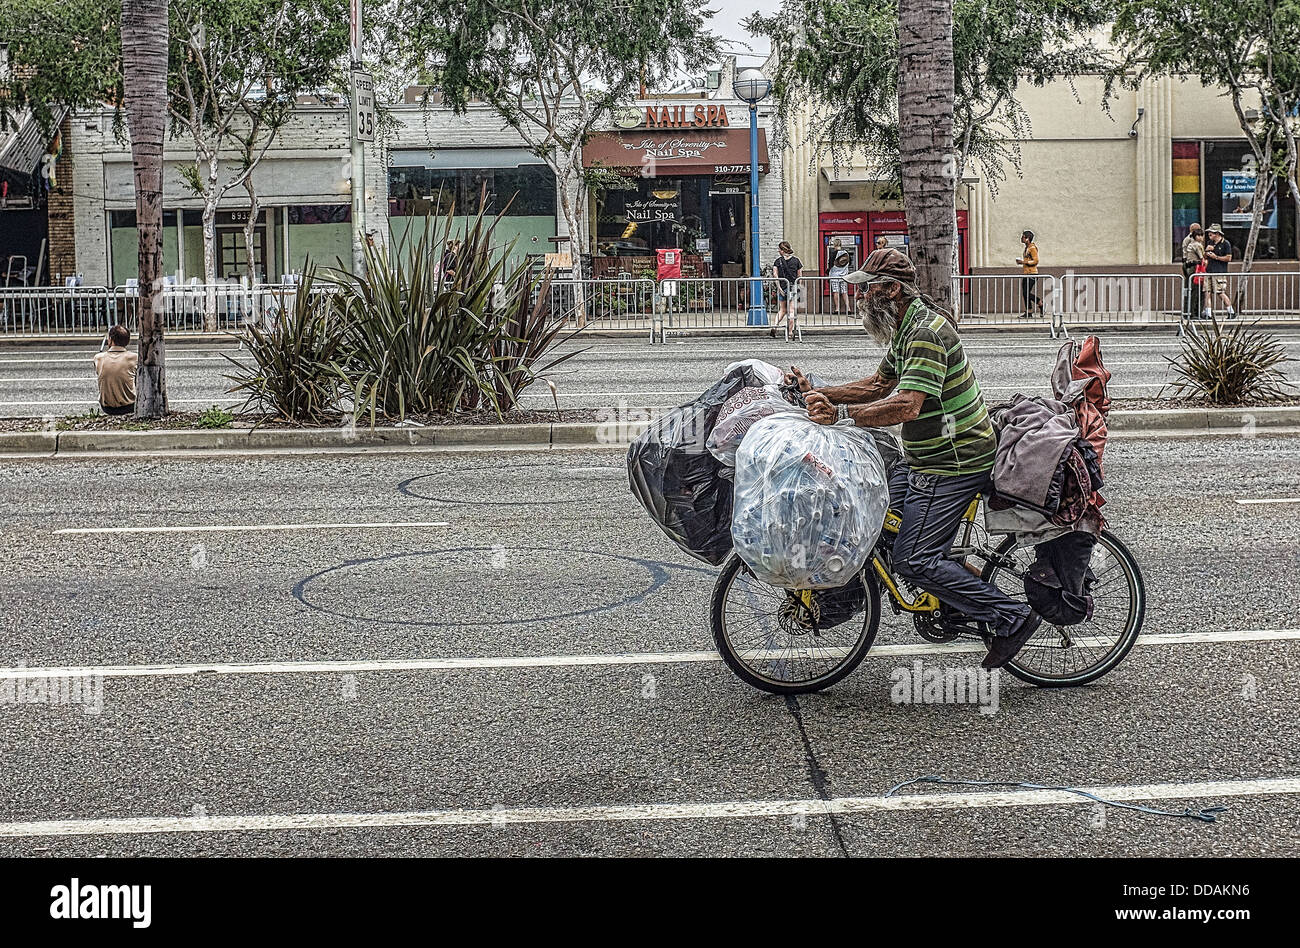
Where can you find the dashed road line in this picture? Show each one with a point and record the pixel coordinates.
(235, 528)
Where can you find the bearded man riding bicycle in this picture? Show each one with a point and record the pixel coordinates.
(925, 383)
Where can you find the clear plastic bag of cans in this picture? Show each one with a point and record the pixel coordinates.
(809, 501)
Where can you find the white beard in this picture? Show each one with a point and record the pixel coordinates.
(879, 320)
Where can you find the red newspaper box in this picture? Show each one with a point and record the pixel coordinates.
(670, 264)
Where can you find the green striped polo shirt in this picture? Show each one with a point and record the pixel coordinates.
(953, 434)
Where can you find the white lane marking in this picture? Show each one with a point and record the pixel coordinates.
(89, 359)
(217, 400)
(564, 661)
(1268, 500)
(726, 810)
(235, 528)
(1011, 349)
(693, 394)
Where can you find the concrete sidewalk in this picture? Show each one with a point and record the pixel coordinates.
(1180, 422)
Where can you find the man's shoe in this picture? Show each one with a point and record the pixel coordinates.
(1007, 647)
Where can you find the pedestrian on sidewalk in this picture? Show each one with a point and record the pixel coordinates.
(1218, 254)
(115, 369)
(839, 289)
(1193, 257)
(1029, 276)
(789, 268)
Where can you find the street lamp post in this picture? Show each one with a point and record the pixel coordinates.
(752, 86)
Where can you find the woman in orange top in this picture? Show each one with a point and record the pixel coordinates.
(1029, 282)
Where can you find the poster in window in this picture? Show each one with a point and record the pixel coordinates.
(1239, 201)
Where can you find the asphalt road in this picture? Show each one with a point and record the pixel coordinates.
(60, 381)
(539, 659)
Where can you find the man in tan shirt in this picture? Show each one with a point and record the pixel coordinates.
(115, 368)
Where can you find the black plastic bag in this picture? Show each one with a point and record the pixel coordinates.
(678, 481)
(841, 604)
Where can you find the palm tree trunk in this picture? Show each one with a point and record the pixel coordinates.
(144, 83)
(926, 90)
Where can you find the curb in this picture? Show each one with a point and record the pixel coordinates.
(1189, 422)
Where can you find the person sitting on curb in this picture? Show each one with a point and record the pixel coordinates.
(115, 368)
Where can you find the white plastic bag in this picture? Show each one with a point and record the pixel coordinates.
(809, 501)
(739, 413)
(766, 372)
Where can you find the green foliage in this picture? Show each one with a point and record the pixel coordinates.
(1231, 363)
(214, 417)
(296, 372)
(499, 49)
(841, 57)
(417, 343)
(69, 52)
(60, 53)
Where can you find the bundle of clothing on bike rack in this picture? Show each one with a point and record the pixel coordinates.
(1048, 477)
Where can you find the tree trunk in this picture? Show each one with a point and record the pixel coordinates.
(209, 263)
(926, 91)
(144, 85)
(1263, 191)
(254, 276)
(576, 243)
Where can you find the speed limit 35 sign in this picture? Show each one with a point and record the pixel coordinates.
(363, 106)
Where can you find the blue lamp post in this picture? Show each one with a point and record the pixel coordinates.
(752, 86)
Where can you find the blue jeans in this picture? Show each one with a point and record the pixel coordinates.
(932, 506)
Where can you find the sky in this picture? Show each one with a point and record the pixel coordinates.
(726, 23)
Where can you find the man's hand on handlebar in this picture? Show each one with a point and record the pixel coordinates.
(794, 376)
(820, 409)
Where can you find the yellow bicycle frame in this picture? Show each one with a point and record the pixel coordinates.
(925, 602)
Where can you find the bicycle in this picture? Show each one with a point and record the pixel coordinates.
(770, 649)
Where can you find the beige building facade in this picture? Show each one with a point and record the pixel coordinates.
(1101, 189)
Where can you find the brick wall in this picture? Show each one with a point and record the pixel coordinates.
(62, 220)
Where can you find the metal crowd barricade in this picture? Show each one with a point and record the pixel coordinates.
(1007, 299)
(1117, 299)
(827, 302)
(218, 307)
(717, 302)
(1267, 296)
(621, 303)
(65, 310)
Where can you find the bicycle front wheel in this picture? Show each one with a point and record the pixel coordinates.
(1061, 656)
(773, 643)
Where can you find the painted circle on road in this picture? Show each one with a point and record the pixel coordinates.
(488, 486)
(455, 587)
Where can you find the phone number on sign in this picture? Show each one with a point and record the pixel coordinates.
(732, 169)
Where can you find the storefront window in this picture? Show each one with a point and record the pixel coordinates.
(526, 191)
(1214, 183)
(124, 245)
(704, 215)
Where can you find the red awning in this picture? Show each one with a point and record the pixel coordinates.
(661, 153)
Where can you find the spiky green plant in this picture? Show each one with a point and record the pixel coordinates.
(420, 342)
(1229, 364)
(296, 372)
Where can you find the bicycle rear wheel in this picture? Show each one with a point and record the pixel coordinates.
(1061, 656)
(768, 641)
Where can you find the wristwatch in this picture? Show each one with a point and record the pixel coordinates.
(842, 413)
